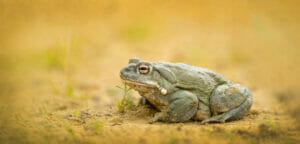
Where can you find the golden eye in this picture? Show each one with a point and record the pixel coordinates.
(143, 69)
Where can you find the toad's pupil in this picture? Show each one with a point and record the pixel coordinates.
(143, 68)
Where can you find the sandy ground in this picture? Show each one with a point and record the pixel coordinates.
(60, 64)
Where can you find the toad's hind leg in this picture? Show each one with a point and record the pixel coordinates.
(229, 102)
(183, 106)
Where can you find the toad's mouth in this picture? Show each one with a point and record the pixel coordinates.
(143, 86)
(131, 82)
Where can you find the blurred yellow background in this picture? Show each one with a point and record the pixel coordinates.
(61, 56)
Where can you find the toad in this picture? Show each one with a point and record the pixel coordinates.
(182, 92)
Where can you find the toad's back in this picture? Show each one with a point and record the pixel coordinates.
(200, 81)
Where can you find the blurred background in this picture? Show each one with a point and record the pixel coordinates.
(63, 57)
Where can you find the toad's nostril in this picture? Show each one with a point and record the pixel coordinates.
(124, 70)
(127, 69)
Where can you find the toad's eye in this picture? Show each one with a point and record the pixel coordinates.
(143, 69)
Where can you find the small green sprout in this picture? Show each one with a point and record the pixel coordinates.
(77, 113)
(228, 134)
(273, 125)
(97, 127)
(126, 102)
(69, 89)
(171, 140)
(70, 131)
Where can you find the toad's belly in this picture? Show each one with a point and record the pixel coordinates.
(156, 99)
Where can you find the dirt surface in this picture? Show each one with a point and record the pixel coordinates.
(60, 64)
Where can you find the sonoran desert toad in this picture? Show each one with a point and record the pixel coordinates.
(182, 92)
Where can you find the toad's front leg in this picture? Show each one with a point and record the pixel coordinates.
(183, 106)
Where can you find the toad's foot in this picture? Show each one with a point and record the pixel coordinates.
(143, 101)
(158, 116)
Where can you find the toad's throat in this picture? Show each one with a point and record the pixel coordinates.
(130, 82)
(151, 91)
(144, 86)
